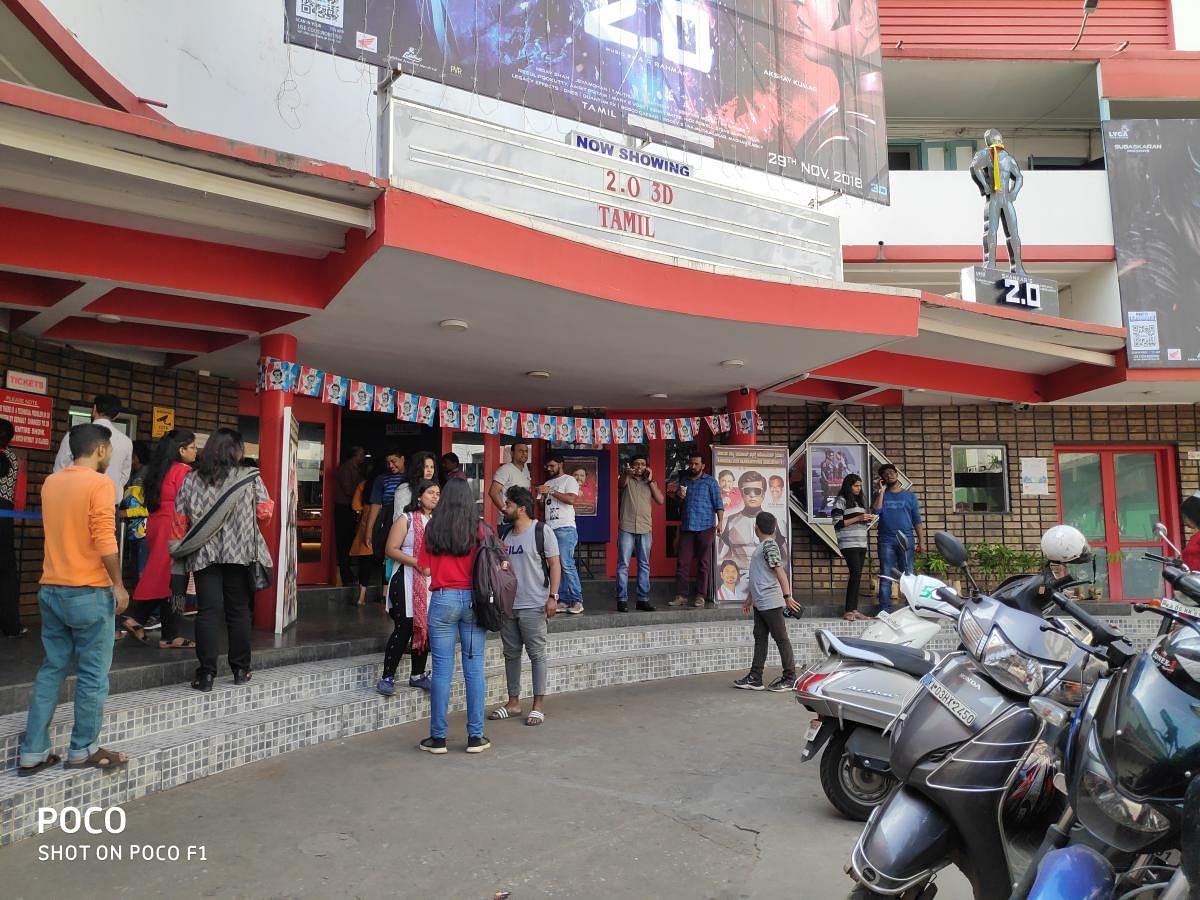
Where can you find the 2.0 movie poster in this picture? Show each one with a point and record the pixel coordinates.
(792, 87)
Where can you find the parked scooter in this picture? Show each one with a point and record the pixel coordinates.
(1132, 756)
(861, 685)
(974, 757)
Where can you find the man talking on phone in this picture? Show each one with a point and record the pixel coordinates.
(638, 490)
(899, 512)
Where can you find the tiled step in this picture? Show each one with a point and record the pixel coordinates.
(137, 714)
(175, 735)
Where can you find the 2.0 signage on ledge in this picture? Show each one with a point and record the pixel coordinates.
(784, 87)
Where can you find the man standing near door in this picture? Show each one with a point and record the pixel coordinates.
(560, 493)
(703, 514)
(345, 483)
(638, 490)
(510, 474)
(899, 512)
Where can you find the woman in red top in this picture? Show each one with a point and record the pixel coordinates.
(1191, 517)
(170, 464)
(451, 541)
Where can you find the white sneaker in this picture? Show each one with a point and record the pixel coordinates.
(576, 608)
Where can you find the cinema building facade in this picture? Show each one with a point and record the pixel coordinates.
(163, 230)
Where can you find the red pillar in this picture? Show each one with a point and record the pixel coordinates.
(738, 402)
(270, 461)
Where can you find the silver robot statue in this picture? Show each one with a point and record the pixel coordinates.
(999, 179)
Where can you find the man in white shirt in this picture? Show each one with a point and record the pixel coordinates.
(105, 408)
(560, 493)
(510, 474)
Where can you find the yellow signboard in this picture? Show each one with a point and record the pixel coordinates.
(164, 420)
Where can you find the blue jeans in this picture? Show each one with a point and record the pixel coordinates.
(451, 619)
(627, 544)
(76, 621)
(569, 589)
(891, 557)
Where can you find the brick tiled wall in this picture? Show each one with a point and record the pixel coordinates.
(918, 439)
(201, 403)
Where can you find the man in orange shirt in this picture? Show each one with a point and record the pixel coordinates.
(81, 590)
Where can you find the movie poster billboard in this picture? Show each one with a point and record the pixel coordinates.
(752, 479)
(829, 464)
(1154, 186)
(786, 87)
(590, 469)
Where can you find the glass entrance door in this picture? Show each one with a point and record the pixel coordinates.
(1114, 495)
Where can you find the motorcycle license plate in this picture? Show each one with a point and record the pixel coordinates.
(946, 697)
(888, 619)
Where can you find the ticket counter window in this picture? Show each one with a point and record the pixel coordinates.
(310, 478)
(470, 450)
(126, 423)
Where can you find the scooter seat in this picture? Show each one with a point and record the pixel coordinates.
(905, 659)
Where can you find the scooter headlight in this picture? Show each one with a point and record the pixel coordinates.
(1009, 667)
(1107, 813)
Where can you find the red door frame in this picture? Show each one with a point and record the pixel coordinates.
(1168, 497)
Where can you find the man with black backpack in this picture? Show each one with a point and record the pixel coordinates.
(533, 557)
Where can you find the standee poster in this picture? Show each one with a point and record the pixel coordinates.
(752, 480)
(1154, 183)
(286, 596)
(792, 88)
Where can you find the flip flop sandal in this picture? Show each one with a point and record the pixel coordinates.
(51, 760)
(137, 632)
(170, 645)
(101, 759)
(535, 717)
(500, 712)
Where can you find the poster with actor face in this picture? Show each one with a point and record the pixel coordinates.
(789, 87)
(829, 464)
(748, 471)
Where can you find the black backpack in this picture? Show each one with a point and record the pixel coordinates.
(539, 537)
(493, 582)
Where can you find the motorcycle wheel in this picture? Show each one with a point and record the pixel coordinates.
(853, 791)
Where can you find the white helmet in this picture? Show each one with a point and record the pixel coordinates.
(1065, 544)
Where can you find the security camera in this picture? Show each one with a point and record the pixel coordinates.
(744, 391)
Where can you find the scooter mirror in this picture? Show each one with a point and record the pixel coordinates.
(1190, 837)
(1160, 531)
(951, 549)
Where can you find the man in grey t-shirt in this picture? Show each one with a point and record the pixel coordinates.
(538, 574)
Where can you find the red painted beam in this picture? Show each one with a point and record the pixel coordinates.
(76, 329)
(968, 254)
(822, 389)
(883, 398)
(424, 225)
(130, 303)
(88, 250)
(884, 367)
(80, 64)
(38, 291)
(1017, 315)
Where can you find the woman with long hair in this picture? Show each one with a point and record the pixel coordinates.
(448, 557)
(851, 520)
(219, 506)
(408, 591)
(422, 466)
(169, 464)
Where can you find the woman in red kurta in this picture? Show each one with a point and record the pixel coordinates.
(173, 458)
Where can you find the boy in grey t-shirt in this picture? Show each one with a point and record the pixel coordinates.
(536, 600)
(770, 592)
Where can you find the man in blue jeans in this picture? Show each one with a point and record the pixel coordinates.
(638, 490)
(899, 512)
(81, 590)
(561, 492)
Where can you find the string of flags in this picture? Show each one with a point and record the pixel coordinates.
(359, 396)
